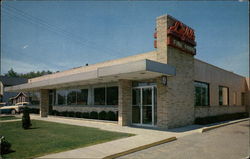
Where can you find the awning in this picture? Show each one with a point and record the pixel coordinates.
(137, 70)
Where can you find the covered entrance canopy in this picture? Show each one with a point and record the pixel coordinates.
(137, 70)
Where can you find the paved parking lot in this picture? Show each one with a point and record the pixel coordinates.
(229, 142)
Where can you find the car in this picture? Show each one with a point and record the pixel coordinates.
(13, 109)
(2, 104)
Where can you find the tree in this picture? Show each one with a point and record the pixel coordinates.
(32, 74)
(11, 73)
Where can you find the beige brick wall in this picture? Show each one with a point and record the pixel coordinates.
(247, 95)
(181, 89)
(44, 103)
(125, 102)
(161, 29)
(162, 102)
(176, 100)
(216, 77)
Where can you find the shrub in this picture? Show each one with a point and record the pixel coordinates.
(26, 118)
(220, 118)
(5, 145)
(102, 115)
(34, 110)
(85, 115)
(111, 116)
(51, 112)
(71, 114)
(78, 114)
(93, 115)
(64, 113)
(54, 112)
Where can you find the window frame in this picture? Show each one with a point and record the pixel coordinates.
(36, 94)
(105, 102)
(104, 86)
(67, 92)
(88, 92)
(116, 87)
(208, 88)
(66, 96)
(243, 98)
(235, 98)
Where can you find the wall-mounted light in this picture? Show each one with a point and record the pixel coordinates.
(164, 80)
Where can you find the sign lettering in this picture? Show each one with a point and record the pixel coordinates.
(182, 32)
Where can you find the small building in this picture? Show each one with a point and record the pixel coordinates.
(20, 97)
(7, 82)
(165, 88)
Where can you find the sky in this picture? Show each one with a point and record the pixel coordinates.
(60, 35)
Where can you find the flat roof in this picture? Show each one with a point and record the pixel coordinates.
(136, 70)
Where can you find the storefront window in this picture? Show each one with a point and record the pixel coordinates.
(61, 97)
(223, 95)
(99, 96)
(140, 84)
(201, 94)
(106, 96)
(71, 97)
(34, 98)
(112, 95)
(82, 96)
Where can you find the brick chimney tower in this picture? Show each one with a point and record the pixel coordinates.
(175, 45)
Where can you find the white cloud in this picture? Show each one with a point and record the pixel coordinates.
(22, 67)
(25, 46)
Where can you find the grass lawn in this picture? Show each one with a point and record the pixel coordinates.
(8, 118)
(48, 137)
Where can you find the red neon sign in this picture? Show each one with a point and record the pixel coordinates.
(182, 32)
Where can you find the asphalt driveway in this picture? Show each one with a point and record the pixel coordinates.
(229, 142)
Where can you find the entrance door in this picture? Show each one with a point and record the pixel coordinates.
(143, 106)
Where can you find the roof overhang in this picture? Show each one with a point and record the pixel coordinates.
(137, 70)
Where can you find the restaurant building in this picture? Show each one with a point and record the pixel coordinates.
(164, 88)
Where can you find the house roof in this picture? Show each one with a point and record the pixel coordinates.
(11, 81)
(20, 93)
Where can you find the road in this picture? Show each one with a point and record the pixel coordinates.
(229, 142)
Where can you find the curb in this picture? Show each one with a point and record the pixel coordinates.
(221, 125)
(140, 148)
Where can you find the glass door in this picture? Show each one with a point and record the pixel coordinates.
(143, 109)
(147, 106)
(136, 107)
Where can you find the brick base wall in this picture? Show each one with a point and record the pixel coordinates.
(85, 108)
(218, 110)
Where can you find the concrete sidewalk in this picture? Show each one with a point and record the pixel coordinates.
(143, 137)
(12, 120)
